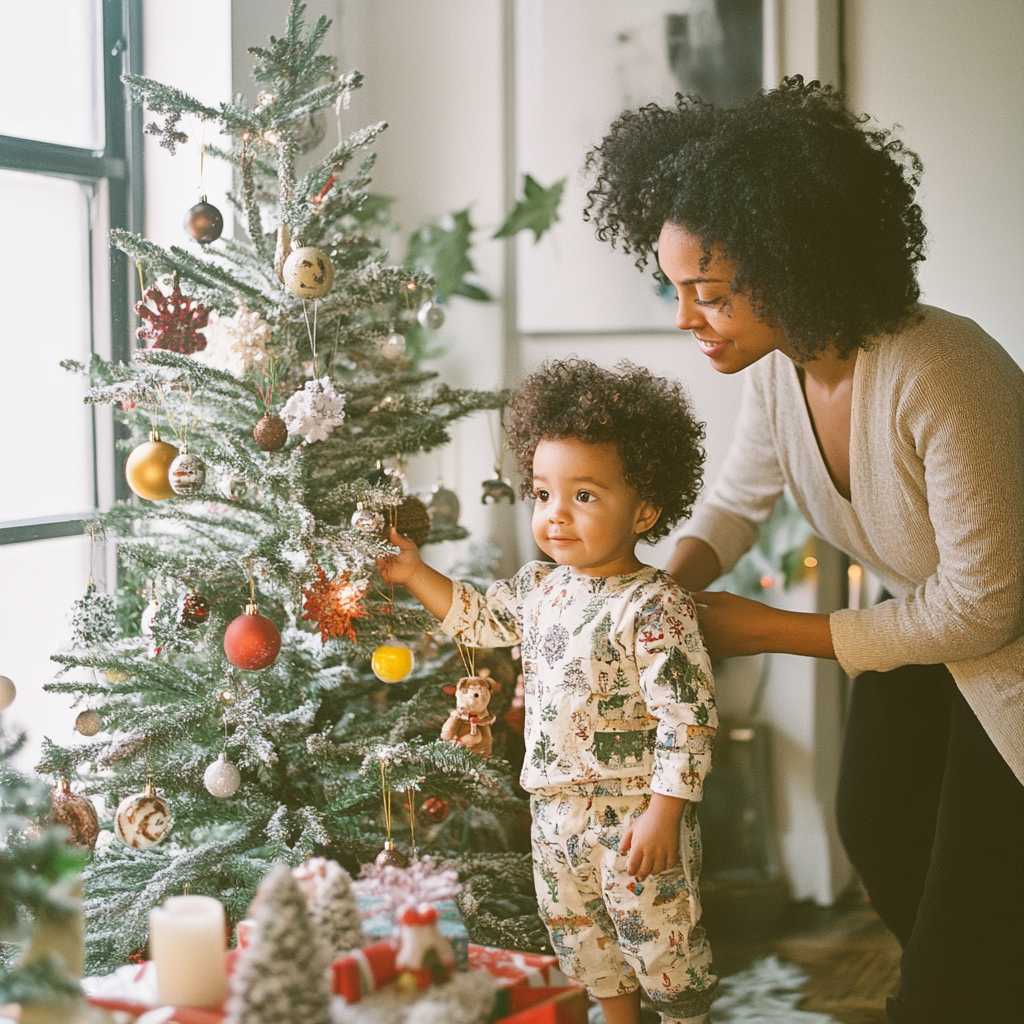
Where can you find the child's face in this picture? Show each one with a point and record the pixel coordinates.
(586, 515)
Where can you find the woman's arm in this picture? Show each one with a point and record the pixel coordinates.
(693, 564)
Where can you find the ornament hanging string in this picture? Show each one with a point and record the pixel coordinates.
(468, 656)
(386, 795)
(410, 796)
(311, 333)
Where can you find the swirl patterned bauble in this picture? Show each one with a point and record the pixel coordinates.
(308, 273)
(187, 473)
(143, 819)
(252, 641)
(146, 469)
(222, 778)
(76, 813)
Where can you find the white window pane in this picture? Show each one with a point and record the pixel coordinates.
(42, 580)
(46, 458)
(51, 73)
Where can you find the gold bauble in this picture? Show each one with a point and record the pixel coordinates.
(392, 661)
(147, 468)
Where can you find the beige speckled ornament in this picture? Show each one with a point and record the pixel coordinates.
(308, 273)
(143, 819)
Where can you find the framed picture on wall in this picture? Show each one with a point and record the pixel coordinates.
(578, 65)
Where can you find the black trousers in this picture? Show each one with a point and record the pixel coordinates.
(933, 820)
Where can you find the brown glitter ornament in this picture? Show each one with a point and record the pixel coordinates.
(76, 813)
(204, 222)
(270, 434)
(390, 857)
(175, 323)
(411, 519)
(88, 723)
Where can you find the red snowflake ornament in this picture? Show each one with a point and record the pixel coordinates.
(174, 324)
(333, 604)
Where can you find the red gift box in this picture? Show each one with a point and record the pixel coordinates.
(513, 968)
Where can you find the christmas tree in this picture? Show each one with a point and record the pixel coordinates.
(265, 703)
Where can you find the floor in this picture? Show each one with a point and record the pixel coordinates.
(849, 956)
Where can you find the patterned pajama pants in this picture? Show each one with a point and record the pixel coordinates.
(611, 932)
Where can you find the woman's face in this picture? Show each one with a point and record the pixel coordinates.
(724, 323)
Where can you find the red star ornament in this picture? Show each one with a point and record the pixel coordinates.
(333, 604)
(174, 324)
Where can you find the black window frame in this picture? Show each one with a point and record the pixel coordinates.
(119, 163)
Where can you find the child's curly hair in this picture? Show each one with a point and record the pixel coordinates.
(815, 206)
(647, 418)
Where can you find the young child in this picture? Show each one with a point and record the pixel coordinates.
(620, 709)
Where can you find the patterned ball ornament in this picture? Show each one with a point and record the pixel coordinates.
(222, 778)
(308, 273)
(252, 641)
(88, 723)
(367, 520)
(187, 473)
(393, 661)
(204, 222)
(8, 691)
(148, 467)
(271, 433)
(76, 813)
(143, 819)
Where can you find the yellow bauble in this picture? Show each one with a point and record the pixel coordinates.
(147, 466)
(392, 662)
(308, 273)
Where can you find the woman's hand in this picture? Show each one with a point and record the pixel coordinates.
(734, 626)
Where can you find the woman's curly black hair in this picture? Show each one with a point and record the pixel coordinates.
(647, 418)
(816, 209)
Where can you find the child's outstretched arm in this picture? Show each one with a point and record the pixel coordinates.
(431, 588)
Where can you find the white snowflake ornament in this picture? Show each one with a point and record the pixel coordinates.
(235, 343)
(314, 411)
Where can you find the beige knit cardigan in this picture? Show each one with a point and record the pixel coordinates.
(936, 510)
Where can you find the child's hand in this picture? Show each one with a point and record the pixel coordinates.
(400, 568)
(651, 843)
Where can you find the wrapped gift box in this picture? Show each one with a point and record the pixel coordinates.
(515, 969)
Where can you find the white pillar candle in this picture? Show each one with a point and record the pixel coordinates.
(187, 940)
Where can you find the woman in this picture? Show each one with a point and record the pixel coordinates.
(789, 230)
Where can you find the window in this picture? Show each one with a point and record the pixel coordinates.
(70, 152)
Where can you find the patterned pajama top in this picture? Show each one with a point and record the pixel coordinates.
(619, 691)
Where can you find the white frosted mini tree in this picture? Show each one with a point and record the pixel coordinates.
(282, 975)
(336, 914)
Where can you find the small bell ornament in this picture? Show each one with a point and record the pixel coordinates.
(88, 723)
(8, 691)
(204, 222)
(392, 661)
(143, 819)
(271, 433)
(393, 346)
(222, 778)
(195, 610)
(430, 315)
(187, 473)
(390, 857)
(148, 466)
(76, 813)
(367, 520)
(252, 641)
(308, 273)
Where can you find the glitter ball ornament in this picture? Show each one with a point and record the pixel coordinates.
(314, 411)
(430, 315)
(252, 641)
(436, 810)
(411, 519)
(204, 222)
(143, 819)
(148, 617)
(88, 723)
(390, 857)
(195, 610)
(271, 433)
(174, 324)
(76, 813)
(308, 273)
(8, 691)
(222, 778)
(148, 466)
(367, 520)
(444, 505)
(187, 473)
(393, 661)
(393, 346)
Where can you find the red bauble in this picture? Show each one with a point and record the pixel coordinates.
(252, 641)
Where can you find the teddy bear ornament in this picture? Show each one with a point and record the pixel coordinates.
(470, 722)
